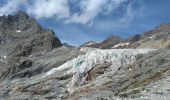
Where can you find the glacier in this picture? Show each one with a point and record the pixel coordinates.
(80, 66)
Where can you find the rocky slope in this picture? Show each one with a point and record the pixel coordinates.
(66, 80)
(147, 78)
(36, 66)
(82, 65)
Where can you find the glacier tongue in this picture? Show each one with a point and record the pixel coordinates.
(82, 64)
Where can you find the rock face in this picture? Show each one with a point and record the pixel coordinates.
(21, 37)
(20, 32)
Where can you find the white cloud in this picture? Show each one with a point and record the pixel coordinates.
(11, 6)
(128, 16)
(125, 21)
(92, 8)
(49, 8)
(113, 5)
(132, 13)
(60, 9)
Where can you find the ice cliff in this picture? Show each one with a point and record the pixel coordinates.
(80, 66)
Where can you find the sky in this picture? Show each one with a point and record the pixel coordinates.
(78, 21)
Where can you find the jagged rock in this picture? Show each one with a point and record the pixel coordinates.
(21, 37)
(97, 70)
(134, 38)
(25, 64)
(20, 32)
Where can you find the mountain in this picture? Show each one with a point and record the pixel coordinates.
(23, 42)
(89, 43)
(106, 44)
(156, 38)
(35, 65)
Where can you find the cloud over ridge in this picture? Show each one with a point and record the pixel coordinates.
(11, 6)
(49, 8)
(60, 9)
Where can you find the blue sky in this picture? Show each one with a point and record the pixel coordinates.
(79, 21)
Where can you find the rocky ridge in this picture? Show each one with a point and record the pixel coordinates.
(106, 44)
(156, 38)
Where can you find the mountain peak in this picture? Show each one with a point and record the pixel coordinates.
(22, 36)
(164, 26)
(21, 14)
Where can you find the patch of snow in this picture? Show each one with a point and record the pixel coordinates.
(90, 43)
(5, 57)
(30, 56)
(150, 37)
(83, 63)
(18, 31)
(120, 45)
(2, 42)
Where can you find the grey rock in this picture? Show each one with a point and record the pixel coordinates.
(21, 37)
